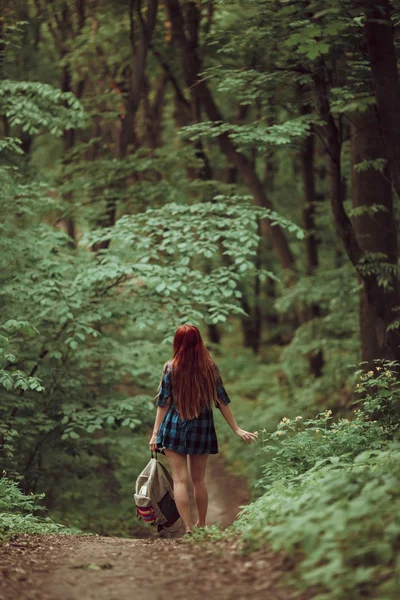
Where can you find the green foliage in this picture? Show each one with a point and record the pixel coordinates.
(379, 165)
(211, 532)
(17, 379)
(343, 519)
(82, 327)
(105, 249)
(348, 100)
(380, 393)
(36, 107)
(17, 513)
(375, 263)
(255, 135)
(304, 450)
(331, 494)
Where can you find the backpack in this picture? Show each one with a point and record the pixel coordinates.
(154, 498)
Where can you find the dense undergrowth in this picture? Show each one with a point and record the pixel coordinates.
(328, 487)
(20, 513)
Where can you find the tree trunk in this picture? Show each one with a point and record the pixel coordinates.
(153, 112)
(307, 151)
(214, 334)
(137, 77)
(333, 142)
(372, 233)
(383, 60)
(376, 233)
(310, 199)
(63, 33)
(69, 141)
(252, 325)
(136, 86)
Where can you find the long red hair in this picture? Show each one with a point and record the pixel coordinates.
(193, 373)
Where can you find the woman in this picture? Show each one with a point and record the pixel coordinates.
(191, 385)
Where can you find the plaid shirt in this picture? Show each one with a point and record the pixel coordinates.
(187, 436)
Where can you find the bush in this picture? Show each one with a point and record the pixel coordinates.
(342, 523)
(331, 494)
(297, 446)
(16, 513)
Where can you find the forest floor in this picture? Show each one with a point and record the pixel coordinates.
(67, 567)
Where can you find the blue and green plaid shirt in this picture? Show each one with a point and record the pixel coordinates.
(187, 436)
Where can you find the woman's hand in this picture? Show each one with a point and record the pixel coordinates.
(246, 436)
(152, 443)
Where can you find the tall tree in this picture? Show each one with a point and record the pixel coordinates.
(375, 227)
(185, 37)
(369, 235)
(383, 60)
(307, 163)
(65, 24)
(140, 36)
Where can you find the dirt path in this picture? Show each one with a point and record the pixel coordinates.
(226, 493)
(64, 567)
(60, 567)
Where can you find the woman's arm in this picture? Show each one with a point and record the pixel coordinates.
(160, 414)
(223, 405)
(163, 403)
(246, 436)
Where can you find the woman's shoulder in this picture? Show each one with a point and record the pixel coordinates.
(216, 370)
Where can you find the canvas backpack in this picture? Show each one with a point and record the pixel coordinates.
(154, 498)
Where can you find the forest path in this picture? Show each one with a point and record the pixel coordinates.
(66, 567)
(226, 493)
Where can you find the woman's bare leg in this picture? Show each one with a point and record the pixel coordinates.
(179, 470)
(198, 463)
